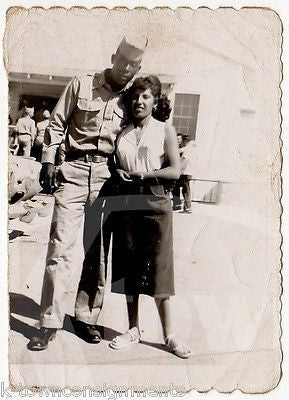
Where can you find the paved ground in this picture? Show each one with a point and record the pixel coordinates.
(221, 309)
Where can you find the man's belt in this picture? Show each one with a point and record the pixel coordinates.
(82, 156)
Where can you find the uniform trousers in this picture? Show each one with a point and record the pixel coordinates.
(184, 183)
(24, 141)
(78, 194)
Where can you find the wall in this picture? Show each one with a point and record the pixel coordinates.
(220, 56)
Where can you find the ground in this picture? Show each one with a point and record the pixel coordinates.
(219, 310)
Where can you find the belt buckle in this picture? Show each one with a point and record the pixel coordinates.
(94, 158)
(97, 159)
(90, 158)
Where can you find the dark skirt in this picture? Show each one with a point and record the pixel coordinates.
(142, 249)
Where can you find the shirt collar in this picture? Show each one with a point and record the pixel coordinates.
(100, 81)
(152, 121)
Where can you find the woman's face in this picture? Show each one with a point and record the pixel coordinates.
(142, 103)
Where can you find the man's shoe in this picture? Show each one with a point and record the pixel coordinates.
(41, 341)
(89, 333)
(177, 207)
(187, 210)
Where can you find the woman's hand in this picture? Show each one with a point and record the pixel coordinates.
(124, 175)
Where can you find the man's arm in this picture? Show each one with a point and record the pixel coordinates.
(16, 129)
(33, 131)
(54, 134)
(55, 130)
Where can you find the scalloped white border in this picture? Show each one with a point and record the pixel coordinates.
(281, 7)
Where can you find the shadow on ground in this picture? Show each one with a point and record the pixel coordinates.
(23, 305)
(27, 307)
(155, 345)
(15, 234)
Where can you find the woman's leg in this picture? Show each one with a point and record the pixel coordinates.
(132, 309)
(172, 342)
(163, 306)
(132, 335)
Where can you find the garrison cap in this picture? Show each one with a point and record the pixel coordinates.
(46, 114)
(133, 46)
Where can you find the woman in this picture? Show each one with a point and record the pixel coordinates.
(147, 161)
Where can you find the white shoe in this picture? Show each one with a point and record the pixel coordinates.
(178, 348)
(124, 341)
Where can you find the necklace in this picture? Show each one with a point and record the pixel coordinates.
(138, 134)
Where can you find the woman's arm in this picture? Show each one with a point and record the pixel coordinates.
(172, 156)
(115, 170)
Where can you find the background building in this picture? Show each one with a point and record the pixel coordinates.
(211, 67)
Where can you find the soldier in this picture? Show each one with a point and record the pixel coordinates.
(40, 128)
(185, 149)
(26, 131)
(86, 118)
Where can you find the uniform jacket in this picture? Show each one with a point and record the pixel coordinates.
(87, 117)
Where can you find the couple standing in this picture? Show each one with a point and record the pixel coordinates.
(111, 129)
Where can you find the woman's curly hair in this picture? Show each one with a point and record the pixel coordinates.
(161, 110)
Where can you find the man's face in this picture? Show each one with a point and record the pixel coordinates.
(123, 70)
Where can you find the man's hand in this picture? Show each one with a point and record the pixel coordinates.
(47, 177)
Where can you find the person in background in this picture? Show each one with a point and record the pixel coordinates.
(12, 134)
(40, 128)
(183, 182)
(25, 131)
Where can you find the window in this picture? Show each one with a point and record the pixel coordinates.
(186, 113)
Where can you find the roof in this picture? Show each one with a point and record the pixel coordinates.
(62, 78)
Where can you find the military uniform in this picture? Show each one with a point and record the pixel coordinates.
(38, 142)
(26, 131)
(86, 119)
(183, 182)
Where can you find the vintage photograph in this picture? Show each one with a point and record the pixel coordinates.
(144, 198)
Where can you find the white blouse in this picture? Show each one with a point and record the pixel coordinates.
(144, 155)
